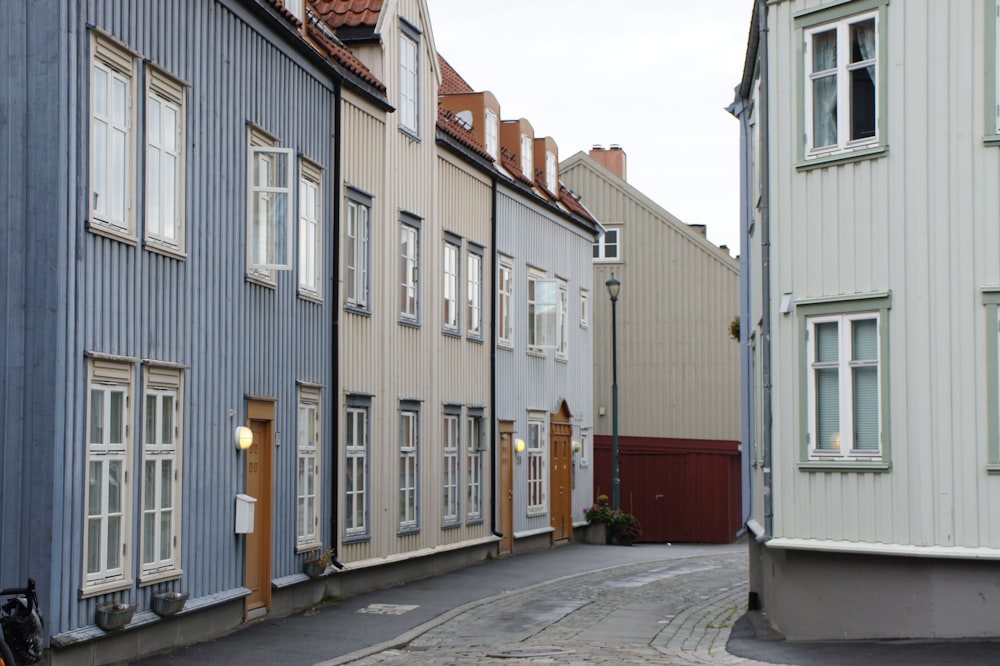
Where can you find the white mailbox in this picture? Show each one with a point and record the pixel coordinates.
(244, 513)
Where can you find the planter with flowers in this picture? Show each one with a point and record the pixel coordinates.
(621, 528)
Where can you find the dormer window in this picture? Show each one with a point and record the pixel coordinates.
(551, 177)
(409, 81)
(295, 8)
(527, 167)
(492, 132)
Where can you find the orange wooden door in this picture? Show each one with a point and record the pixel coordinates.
(506, 487)
(561, 480)
(258, 542)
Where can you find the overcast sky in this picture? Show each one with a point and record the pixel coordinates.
(653, 76)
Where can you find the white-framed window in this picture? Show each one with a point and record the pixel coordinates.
(585, 447)
(543, 311)
(112, 137)
(843, 386)
(452, 252)
(409, 443)
(107, 501)
(475, 445)
(409, 80)
(492, 132)
(841, 84)
(164, 161)
(294, 7)
(474, 293)
(357, 251)
(505, 292)
(308, 478)
(584, 308)
(269, 220)
(536, 450)
(607, 247)
(451, 450)
(527, 157)
(551, 172)
(161, 473)
(310, 229)
(409, 272)
(357, 447)
(562, 321)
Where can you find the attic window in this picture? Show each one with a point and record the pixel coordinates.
(527, 167)
(551, 179)
(294, 7)
(492, 129)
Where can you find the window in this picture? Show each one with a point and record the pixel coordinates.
(505, 285)
(307, 513)
(112, 138)
(584, 308)
(164, 161)
(492, 132)
(409, 439)
(409, 80)
(294, 7)
(452, 251)
(475, 445)
(310, 230)
(409, 272)
(551, 179)
(844, 404)
(450, 470)
(161, 478)
(357, 250)
(474, 293)
(562, 321)
(585, 447)
(527, 161)
(106, 540)
(356, 471)
(269, 230)
(843, 79)
(536, 450)
(606, 247)
(543, 311)
(992, 87)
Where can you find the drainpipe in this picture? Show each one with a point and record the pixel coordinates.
(335, 330)
(494, 463)
(765, 285)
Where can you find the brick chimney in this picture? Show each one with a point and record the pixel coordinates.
(612, 159)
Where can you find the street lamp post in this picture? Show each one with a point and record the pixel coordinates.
(614, 287)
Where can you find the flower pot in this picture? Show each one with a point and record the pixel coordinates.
(314, 569)
(114, 615)
(168, 603)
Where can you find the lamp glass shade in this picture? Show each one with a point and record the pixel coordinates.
(614, 287)
(243, 437)
(519, 446)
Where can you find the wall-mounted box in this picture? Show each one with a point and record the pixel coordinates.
(244, 513)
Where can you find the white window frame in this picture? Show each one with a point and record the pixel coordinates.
(356, 480)
(537, 455)
(164, 189)
(584, 308)
(475, 445)
(474, 293)
(163, 399)
(110, 200)
(113, 565)
(310, 230)
(842, 71)
(845, 365)
(527, 158)
(543, 303)
(492, 132)
(602, 245)
(562, 321)
(505, 298)
(450, 290)
(409, 468)
(409, 81)
(265, 253)
(551, 173)
(357, 250)
(308, 466)
(409, 301)
(451, 449)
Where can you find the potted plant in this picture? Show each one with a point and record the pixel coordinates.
(621, 528)
(317, 565)
(114, 615)
(168, 603)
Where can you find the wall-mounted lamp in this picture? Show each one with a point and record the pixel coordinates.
(577, 446)
(518, 449)
(243, 438)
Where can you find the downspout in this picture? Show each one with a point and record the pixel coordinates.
(335, 328)
(493, 362)
(765, 265)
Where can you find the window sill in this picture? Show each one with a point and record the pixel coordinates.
(598, 260)
(98, 589)
(160, 577)
(842, 157)
(452, 333)
(474, 520)
(451, 526)
(992, 140)
(408, 531)
(562, 359)
(262, 280)
(409, 133)
(112, 232)
(537, 353)
(167, 250)
(993, 468)
(844, 466)
(505, 346)
(308, 547)
(475, 339)
(310, 296)
(358, 310)
(352, 539)
(409, 323)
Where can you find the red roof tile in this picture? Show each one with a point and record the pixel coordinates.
(512, 162)
(349, 13)
(342, 56)
(451, 125)
(573, 205)
(451, 81)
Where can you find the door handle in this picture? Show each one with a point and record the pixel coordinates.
(659, 497)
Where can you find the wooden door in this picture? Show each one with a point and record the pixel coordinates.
(506, 486)
(258, 542)
(561, 474)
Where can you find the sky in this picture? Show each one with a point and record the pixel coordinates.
(652, 76)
